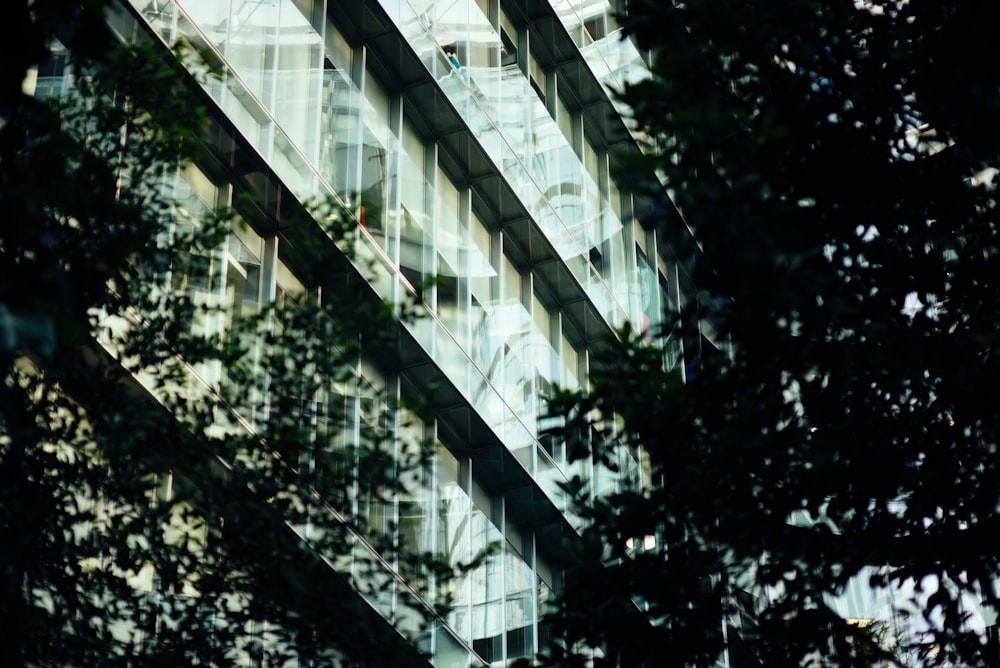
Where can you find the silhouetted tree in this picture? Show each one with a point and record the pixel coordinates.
(167, 496)
(825, 173)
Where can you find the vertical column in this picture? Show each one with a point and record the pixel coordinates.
(358, 58)
(528, 360)
(523, 50)
(465, 597)
(551, 92)
(531, 554)
(269, 269)
(464, 285)
(392, 201)
(500, 378)
(498, 510)
(433, 205)
(392, 426)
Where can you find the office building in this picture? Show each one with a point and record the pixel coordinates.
(475, 143)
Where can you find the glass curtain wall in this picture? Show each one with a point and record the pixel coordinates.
(443, 511)
(409, 207)
(532, 143)
(592, 25)
(300, 94)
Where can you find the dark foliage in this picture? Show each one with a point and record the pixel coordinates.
(142, 520)
(835, 166)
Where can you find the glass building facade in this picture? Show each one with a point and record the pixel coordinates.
(474, 142)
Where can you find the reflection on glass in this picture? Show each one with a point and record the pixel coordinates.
(251, 48)
(375, 163)
(340, 133)
(520, 605)
(486, 590)
(453, 540)
(375, 507)
(509, 117)
(414, 502)
(450, 242)
(298, 80)
(243, 294)
(416, 197)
